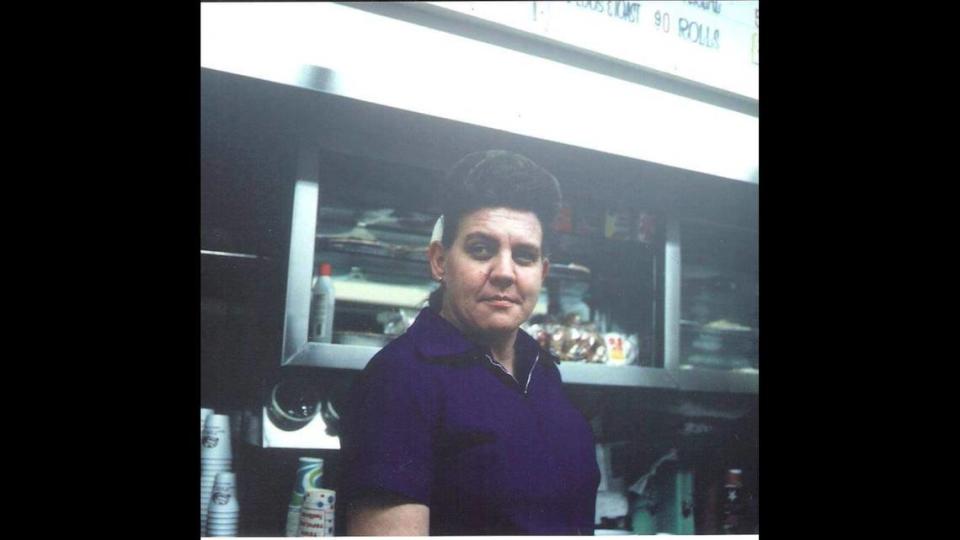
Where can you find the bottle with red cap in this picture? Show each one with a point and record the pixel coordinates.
(321, 305)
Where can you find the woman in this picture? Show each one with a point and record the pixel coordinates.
(460, 426)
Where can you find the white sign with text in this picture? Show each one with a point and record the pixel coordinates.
(714, 43)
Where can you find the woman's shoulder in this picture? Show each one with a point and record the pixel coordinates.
(403, 358)
(400, 353)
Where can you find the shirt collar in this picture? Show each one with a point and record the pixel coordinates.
(436, 338)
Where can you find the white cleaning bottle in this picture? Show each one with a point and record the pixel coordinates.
(322, 301)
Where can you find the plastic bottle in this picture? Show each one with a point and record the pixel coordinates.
(321, 306)
(734, 503)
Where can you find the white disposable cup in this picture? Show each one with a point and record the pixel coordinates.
(309, 476)
(213, 525)
(312, 522)
(217, 502)
(226, 480)
(320, 499)
(215, 442)
(204, 413)
(330, 521)
(224, 495)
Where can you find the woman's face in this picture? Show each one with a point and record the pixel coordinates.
(493, 272)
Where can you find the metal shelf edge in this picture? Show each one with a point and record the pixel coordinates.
(604, 375)
(333, 356)
(709, 380)
(355, 357)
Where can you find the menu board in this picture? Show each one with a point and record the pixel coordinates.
(714, 43)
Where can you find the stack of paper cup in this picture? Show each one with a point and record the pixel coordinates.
(224, 514)
(204, 413)
(215, 457)
(316, 513)
(309, 476)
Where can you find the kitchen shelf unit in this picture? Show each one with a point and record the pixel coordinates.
(355, 357)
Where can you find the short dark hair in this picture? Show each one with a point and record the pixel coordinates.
(496, 179)
(493, 179)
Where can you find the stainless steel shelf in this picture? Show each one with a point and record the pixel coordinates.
(697, 327)
(718, 380)
(333, 356)
(604, 375)
(355, 357)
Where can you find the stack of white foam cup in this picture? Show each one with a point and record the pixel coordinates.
(309, 476)
(223, 514)
(216, 456)
(316, 513)
(204, 413)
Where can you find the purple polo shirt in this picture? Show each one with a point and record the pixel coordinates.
(433, 418)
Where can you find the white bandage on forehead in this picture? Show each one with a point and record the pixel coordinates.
(437, 235)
